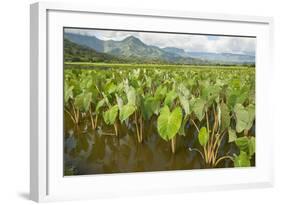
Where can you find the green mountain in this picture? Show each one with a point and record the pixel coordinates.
(131, 49)
(77, 53)
(225, 58)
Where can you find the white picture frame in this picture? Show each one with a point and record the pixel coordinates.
(46, 177)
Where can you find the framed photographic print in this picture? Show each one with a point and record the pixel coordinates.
(127, 102)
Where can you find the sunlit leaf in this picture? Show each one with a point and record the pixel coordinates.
(231, 135)
(170, 97)
(168, 123)
(225, 117)
(197, 106)
(242, 160)
(126, 111)
(110, 115)
(203, 136)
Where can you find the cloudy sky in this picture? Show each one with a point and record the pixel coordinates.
(190, 43)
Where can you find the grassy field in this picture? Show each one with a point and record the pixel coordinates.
(89, 65)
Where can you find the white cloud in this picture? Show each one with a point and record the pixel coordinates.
(197, 43)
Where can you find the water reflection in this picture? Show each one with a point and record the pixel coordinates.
(92, 152)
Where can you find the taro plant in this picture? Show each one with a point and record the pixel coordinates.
(211, 135)
(216, 103)
(110, 117)
(247, 150)
(168, 124)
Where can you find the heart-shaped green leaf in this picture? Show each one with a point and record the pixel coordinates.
(150, 106)
(225, 117)
(168, 123)
(110, 115)
(197, 106)
(126, 111)
(242, 160)
(68, 92)
(170, 97)
(131, 96)
(82, 101)
(203, 136)
(246, 144)
(231, 135)
(244, 117)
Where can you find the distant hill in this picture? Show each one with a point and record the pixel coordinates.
(223, 57)
(227, 58)
(132, 49)
(77, 53)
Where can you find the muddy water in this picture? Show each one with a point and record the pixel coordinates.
(88, 151)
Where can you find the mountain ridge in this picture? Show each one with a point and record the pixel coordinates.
(132, 48)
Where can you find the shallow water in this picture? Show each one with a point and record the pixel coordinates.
(88, 151)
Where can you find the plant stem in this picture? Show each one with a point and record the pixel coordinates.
(72, 118)
(213, 141)
(218, 146)
(136, 122)
(206, 155)
(76, 116)
(173, 144)
(209, 144)
(197, 150)
(96, 121)
(116, 129)
(141, 128)
(91, 117)
(222, 158)
(195, 125)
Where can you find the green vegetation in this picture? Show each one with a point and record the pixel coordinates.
(77, 53)
(217, 102)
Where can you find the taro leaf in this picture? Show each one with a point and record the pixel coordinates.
(99, 105)
(251, 111)
(119, 102)
(120, 87)
(235, 83)
(242, 143)
(210, 93)
(241, 97)
(252, 145)
(150, 106)
(183, 94)
(110, 88)
(160, 92)
(236, 97)
(219, 114)
(126, 111)
(197, 106)
(244, 117)
(242, 160)
(110, 115)
(231, 101)
(184, 121)
(170, 97)
(131, 96)
(182, 91)
(68, 93)
(231, 135)
(185, 104)
(225, 117)
(203, 136)
(168, 123)
(86, 83)
(82, 101)
(246, 144)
